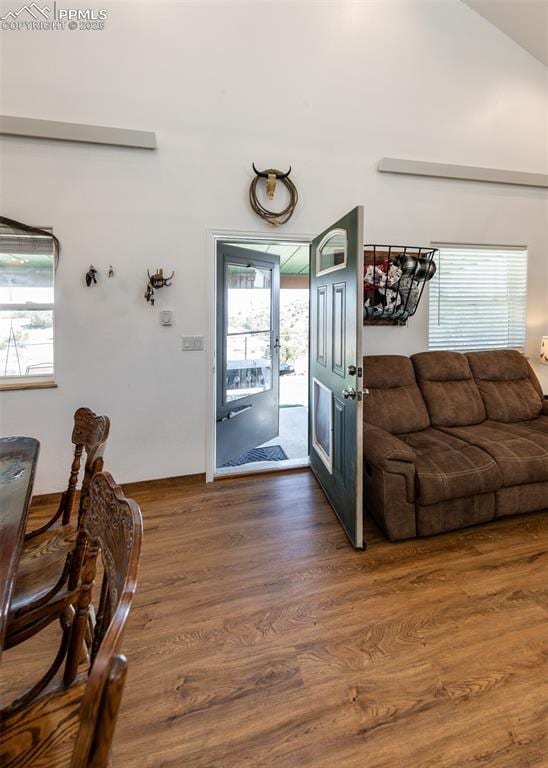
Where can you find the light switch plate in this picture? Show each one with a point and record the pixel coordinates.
(193, 343)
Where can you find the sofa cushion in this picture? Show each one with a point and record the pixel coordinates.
(539, 424)
(394, 402)
(454, 514)
(509, 388)
(449, 468)
(518, 499)
(448, 388)
(520, 452)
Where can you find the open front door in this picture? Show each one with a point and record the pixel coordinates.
(248, 367)
(336, 322)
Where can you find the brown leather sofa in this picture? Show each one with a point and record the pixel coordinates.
(452, 440)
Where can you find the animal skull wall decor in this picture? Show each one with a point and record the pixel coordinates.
(272, 175)
(156, 281)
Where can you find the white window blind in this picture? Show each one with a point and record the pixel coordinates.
(478, 298)
(27, 266)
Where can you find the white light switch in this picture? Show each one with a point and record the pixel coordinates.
(193, 343)
(166, 317)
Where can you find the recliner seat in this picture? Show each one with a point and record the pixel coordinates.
(445, 444)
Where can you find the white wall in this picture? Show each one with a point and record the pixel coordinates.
(326, 87)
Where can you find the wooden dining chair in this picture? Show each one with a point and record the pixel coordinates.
(40, 592)
(89, 434)
(71, 724)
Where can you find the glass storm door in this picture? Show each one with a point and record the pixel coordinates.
(336, 322)
(248, 370)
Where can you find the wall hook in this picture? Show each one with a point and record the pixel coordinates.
(90, 276)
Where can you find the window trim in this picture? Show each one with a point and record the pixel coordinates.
(15, 383)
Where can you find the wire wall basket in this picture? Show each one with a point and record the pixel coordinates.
(393, 281)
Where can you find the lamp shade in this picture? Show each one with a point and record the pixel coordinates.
(544, 350)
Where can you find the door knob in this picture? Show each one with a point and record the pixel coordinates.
(349, 393)
(351, 370)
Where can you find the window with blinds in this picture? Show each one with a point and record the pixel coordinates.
(26, 305)
(478, 298)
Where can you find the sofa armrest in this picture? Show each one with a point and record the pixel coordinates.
(381, 447)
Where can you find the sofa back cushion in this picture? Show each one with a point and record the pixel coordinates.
(507, 384)
(394, 402)
(448, 389)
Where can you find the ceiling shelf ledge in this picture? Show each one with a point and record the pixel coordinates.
(29, 127)
(462, 172)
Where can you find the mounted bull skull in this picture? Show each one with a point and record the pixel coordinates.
(271, 175)
(155, 281)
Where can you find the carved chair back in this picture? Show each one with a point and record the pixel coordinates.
(113, 528)
(89, 434)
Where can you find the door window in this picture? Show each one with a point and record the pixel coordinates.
(248, 359)
(331, 252)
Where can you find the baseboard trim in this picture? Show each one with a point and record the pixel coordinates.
(179, 481)
(43, 499)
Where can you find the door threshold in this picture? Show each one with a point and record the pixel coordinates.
(261, 467)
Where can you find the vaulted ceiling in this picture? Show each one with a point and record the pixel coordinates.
(525, 21)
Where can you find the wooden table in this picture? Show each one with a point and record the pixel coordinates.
(18, 459)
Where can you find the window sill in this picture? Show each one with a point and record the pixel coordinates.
(15, 385)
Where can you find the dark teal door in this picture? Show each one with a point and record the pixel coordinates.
(248, 344)
(336, 322)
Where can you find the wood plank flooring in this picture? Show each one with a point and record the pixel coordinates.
(259, 638)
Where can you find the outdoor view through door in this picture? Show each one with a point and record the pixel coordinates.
(262, 356)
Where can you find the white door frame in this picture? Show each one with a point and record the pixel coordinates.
(213, 237)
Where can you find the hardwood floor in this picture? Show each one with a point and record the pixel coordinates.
(259, 638)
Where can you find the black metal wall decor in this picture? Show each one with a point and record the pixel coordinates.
(155, 282)
(272, 175)
(90, 276)
(394, 280)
